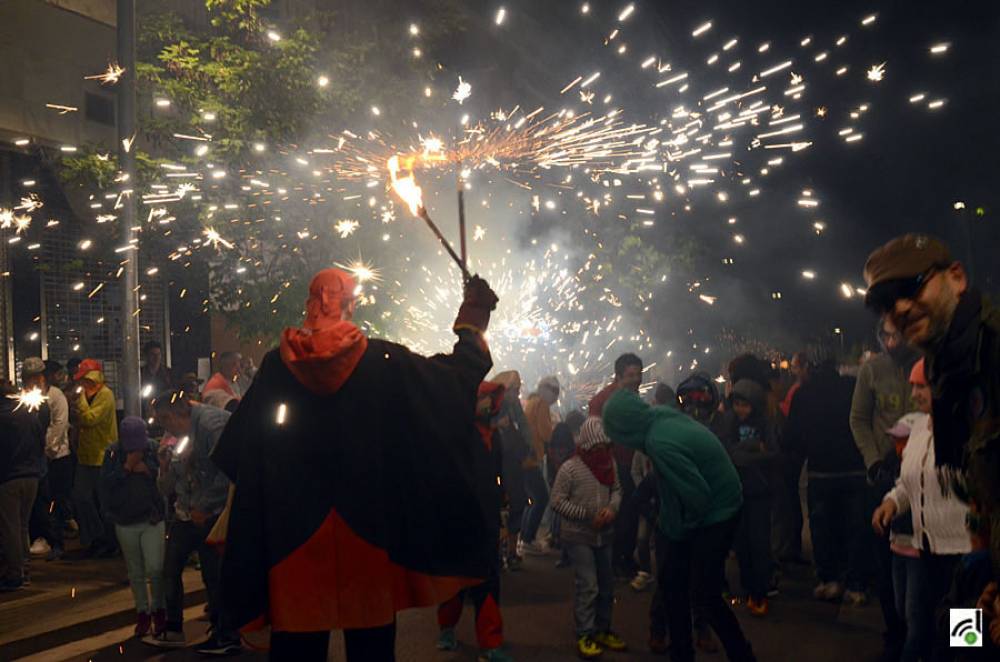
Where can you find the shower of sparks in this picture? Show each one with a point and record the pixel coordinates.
(346, 227)
(214, 239)
(877, 72)
(111, 76)
(30, 400)
(462, 92)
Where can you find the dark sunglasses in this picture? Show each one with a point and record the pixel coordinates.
(882, 298)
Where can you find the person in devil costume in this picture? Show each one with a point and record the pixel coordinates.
(485, 596)
(356, 489)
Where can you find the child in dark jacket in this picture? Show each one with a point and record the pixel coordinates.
(133, 503)
(751, 444)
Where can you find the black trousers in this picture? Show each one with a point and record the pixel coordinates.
(626, 526)
(693, 571)
(368, 645)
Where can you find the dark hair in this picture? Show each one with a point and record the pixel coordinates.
(748, 366)
(72, 365)
(575, 420)
(624, 361)
(152, 344)
(664, 395)
(173, 401)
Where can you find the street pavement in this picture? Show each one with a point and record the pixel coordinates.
(537, 609)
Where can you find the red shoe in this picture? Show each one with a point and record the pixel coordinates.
(142, 623)
(758, 607)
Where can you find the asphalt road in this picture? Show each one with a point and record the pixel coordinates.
(537, 608)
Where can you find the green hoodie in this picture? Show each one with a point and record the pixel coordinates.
(697, 482)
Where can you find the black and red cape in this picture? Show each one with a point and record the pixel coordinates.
(356, 468)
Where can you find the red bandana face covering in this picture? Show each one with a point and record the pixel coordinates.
(601, 463)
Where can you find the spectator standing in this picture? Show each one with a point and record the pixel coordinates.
(200, 489)
(538, 412)
(751, 443)
(22, 439)
(882, 397)
(628, 376)
(939, 532)
(516, 445)
(587, 494)
(914, 282)
(222, 388)
(98, 424)
(819, 430)
(788, 507)
(135, 507)
(48, 515)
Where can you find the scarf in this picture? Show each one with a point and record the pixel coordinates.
(600, 462)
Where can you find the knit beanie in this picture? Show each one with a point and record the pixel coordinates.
(592, 434)
(133, 434)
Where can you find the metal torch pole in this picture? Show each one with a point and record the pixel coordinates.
(461, 221)
(130, 379)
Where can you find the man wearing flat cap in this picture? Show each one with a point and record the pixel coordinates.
(915, 284)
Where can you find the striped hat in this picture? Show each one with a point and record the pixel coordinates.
(592, 434)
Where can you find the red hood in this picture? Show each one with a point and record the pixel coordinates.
(322, 360)
(496, 392)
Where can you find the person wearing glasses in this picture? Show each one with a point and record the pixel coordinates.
(914, 283)
(881, 397)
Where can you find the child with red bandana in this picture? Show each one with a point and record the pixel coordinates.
(587, 495)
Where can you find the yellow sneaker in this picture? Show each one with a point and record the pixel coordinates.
(610, 640)
(587, 649)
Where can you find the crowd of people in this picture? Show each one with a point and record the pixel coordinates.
(900, 459)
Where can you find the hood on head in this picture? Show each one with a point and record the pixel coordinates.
(751, 391)
(703, 385)
(592, 434)
(88, 366)
(322, 360)
(507, 379)
(627, 418)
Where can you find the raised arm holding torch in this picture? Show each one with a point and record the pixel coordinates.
(406, 188)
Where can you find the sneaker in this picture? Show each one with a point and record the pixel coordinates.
(72, 529)
(40, 547)
(219, 646)
(704, 641)
(159, 621)
(642, 581)
(55, 554)
(142, 623)
(758, 607)
(833, 591)
(11, 585)
(658, 645)
(446, 640)
(166, 639)
(610, 640)
(587, 649)
(855, 598)
(494, 655)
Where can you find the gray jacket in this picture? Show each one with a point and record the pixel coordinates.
(578, 496)
(881, 397)
(192, 476)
